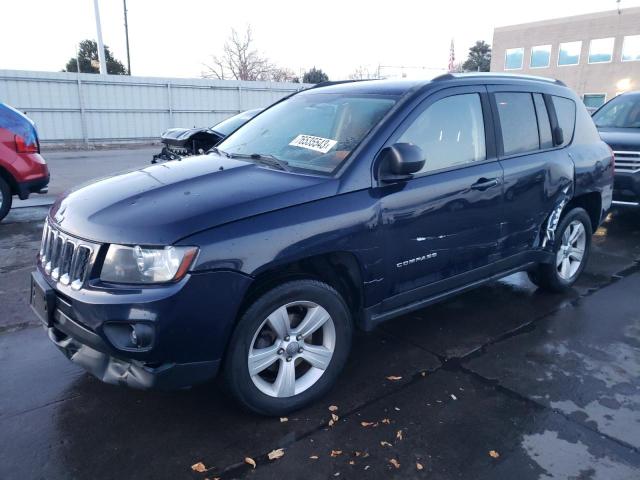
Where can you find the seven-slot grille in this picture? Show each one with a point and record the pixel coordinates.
(66, 259)
(627, 161)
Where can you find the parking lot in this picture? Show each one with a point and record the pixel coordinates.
(501, 382)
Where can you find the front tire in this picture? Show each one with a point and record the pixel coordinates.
(5, 198)
(572, 246)
(288, 347)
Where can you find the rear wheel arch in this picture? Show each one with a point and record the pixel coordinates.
(10, 179)
(591, 202)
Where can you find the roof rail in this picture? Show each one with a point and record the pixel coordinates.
(338, 82)
(452, 76)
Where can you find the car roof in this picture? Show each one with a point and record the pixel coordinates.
(402, 86)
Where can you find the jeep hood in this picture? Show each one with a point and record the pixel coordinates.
(164, 203)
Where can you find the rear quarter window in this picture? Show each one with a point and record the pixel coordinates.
(566, 113)
(518, 122)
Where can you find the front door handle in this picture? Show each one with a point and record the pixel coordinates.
(485, 183)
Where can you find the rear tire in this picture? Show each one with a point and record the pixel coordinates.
(288, 348)
(5, 198)
(571, 249)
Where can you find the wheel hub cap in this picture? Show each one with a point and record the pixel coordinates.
(292, 349)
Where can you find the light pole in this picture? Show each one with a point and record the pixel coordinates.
(126, 34)
(101, 56)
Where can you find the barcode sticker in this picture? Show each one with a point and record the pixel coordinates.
(319, 144)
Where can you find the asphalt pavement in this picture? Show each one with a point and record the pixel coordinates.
(502, 382)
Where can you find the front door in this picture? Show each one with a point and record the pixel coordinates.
(442, 227)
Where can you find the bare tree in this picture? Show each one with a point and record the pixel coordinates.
(241, 61)
(362, 73)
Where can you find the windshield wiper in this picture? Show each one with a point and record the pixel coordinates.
(219, 152)
(264, 159)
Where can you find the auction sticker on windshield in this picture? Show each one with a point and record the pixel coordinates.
(319, 144)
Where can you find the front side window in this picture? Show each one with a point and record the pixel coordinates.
(566, 113)
(569, 53)
(631, 49)
(594, 100)
(450, 132)
(621, 112)
(309, 131)
(601, 50)
(513, 58)
(540, 56)
(518, 122)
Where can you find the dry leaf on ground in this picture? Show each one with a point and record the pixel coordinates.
(386, 421)
(369, 424)
(493, 454)
(385, 444)
(313, 457)
(283, 419)
(399, 434)
(334, 417)
(419, 466)
(335, 453)
(198, 467)
(394, 378)
(333, 408)
(250, 461)
(352, 462)
(274, 454)
(394, 462)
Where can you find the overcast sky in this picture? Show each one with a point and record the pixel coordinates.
(175, 37)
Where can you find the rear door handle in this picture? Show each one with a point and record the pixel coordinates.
(485, 183)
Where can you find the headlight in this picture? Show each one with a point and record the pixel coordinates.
(146, 265)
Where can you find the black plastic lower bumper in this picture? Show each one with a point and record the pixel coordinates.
(133, 374)
(91, 351)
(626, 187)
(24, 189)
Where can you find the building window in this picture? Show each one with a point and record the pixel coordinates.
(631, 49)
(601, 50)
(540, 56)
(594, 100)
(513, 58)
(569, 53)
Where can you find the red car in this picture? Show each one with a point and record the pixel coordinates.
(22, 169)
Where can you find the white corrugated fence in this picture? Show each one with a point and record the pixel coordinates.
(91, 108)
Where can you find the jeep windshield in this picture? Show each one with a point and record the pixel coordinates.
(621, 112)
(310, 131)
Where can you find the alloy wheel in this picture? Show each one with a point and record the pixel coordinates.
(291, 349)
(571, 252)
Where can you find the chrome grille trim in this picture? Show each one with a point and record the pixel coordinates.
(66, 259)
(627, 161)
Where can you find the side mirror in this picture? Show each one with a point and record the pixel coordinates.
(400, 161)
(558, 136)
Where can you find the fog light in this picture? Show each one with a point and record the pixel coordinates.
(130, 336)
(141, 335)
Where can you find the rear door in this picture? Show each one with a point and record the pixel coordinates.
(444, 222)
(537, 173)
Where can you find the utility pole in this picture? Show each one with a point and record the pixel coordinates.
(101, 56)
(126, 34)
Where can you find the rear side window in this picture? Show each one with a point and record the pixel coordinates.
(544, 125)
(450, 132)
(518, 122)
(566, 113)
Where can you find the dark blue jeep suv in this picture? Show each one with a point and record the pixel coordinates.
(338, 207)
